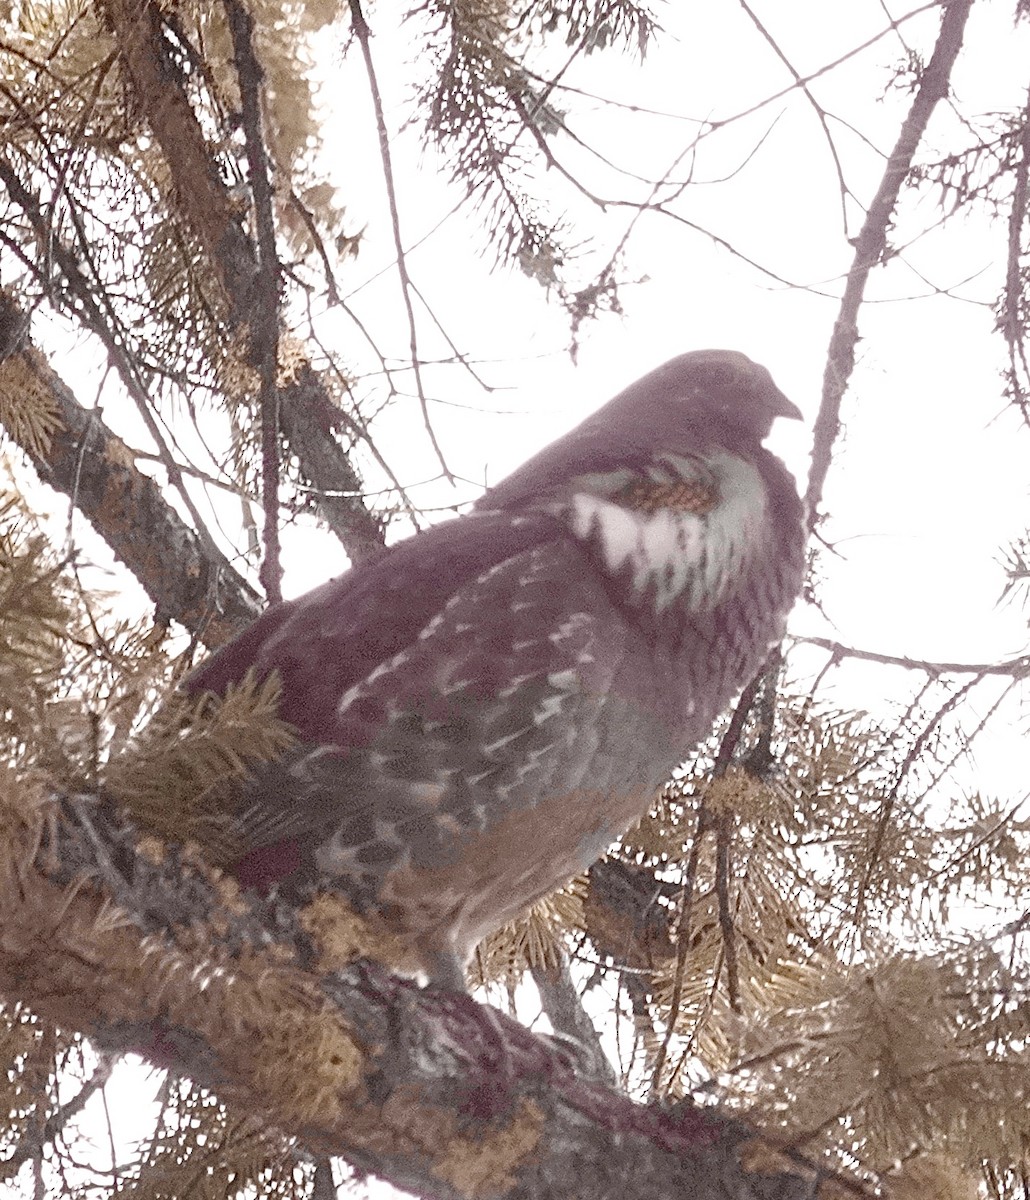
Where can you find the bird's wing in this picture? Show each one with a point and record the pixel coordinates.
(456, 680)
(335, 636)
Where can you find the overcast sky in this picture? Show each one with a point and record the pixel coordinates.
(931, 478)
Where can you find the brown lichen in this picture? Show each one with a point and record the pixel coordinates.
(341, 936)
(476, 1165)
(306, 1064)
(267, 1023)
(485, 1166)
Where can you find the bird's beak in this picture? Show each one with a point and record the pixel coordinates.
(765, 386)
(782, 407)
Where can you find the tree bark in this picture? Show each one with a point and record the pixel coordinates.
(142, 948)
(187, 580)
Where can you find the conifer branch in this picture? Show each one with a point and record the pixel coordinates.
(97, 314)
(424, 1088)
(308, 416)
(883, 820)
(187, 580)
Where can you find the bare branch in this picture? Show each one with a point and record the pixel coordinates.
(683, 923)
(264, 326)
(362, 33)
(871, 245)
(1018, 668)
(820, 112)
(727, 929)
(1013, 323)
(564, 1008)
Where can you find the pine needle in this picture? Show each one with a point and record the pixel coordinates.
(178, 774)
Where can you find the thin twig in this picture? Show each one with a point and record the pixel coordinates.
(820, 112)
(723, 828)
(60, 1119)
(682, 948)
(1016, 667)
(364, 36)
(714, 126)
(1013, 325)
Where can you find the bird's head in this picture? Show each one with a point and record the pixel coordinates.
(717, 395)
(703, 400)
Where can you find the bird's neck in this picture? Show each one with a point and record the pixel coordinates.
(677, 538)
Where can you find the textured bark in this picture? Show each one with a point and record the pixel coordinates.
(424, 1088)
(187, 581)
(307, 414)
(564, 1008)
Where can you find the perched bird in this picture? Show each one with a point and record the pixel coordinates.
(484, 708)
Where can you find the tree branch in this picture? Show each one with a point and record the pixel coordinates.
(264, 328)
(426, 1089)
(564, 1008)
(683, 934)
(364, 36)
(1017, 668)
(308, 415)
(871, 245)
(1011, 316)
(187, 580)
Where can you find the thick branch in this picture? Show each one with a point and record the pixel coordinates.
(871, 244)
(424, 1088)
(564, 1008)
(187, 581)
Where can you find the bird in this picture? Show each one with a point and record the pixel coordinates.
(481, 710)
